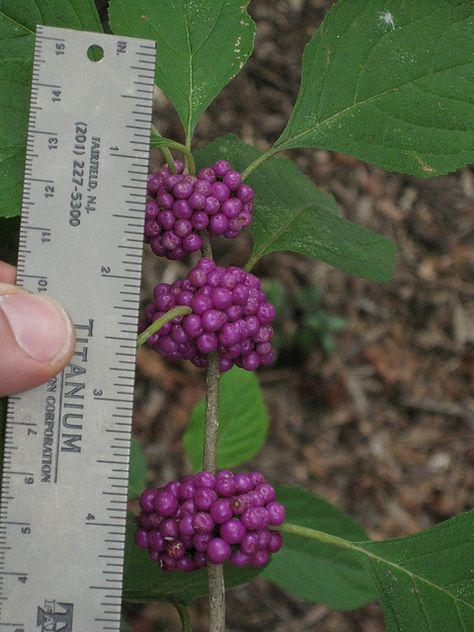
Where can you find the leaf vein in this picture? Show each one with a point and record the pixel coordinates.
(416, 592)
(23, 26)
(334, 117)
(410, 573)
(211, 30)
(382, 591)
(191, 74)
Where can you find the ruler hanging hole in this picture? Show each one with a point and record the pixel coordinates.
(95, 52)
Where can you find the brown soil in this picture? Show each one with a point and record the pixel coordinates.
(384, 426)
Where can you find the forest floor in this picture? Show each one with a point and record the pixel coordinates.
(383, 426)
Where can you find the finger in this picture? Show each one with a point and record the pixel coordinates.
(36, 339)
(7, 273)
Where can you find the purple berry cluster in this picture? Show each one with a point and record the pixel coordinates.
(210, 518)
(184, 205)
(230, 314)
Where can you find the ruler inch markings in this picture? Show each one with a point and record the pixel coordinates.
(67, 442)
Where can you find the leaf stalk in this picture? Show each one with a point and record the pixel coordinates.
(156, 325)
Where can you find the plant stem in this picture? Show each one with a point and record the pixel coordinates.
(169, 159)
(157, 140)
(206, 249)
(184, 616)
(157, 324)
(258, 161)
(320, 536)
(215, 573)
(212, 412)
(215, 576)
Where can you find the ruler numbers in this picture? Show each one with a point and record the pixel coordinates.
(65, 477)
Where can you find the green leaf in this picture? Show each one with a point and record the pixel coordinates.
(243, 421)
(15, 79)
(157, 140)
(18, 22)
(201, 46)
(145, 581)
(291, 213)
(137, 475)
(316, 571)
(390, 82)
(424, 580)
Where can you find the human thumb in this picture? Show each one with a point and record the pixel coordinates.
(36, 339)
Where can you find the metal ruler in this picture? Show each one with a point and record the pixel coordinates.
(63, 504)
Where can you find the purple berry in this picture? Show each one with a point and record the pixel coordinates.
(221, 511)
(185, 563)
(245, 193)
(147, 500)
(221, 167)
(203, 522)
(183, 227)
(207, 343)
(144, 520)
(197, 201)
(266, 491)
(249, 543)
(200, 220)
(220, 191)
(183, 189)
(169, 528)
(141, 538)
(225, 487)
(243, 483)
(229, 335)
(201, 303)
(199, 559)
(255, 518)
(213, 319)
(167, 563)
(192, 242)
(182, 210)
(276, 542)
(251, 361)
(232, 179)
(165, 503)
(240, 559)
(256, 478)
(156, 541)
(212, 205)
(185, 526)
(276, 513)
(173, 487)
(260, 558)
(232, 207)
(155, 520)
(164, 200)
(232, 531)
(203, 498)
(153, 184)
(204, 479)
(207, 174)
(264, 536)
(200, 541)
(218, 551)
(203, 187)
